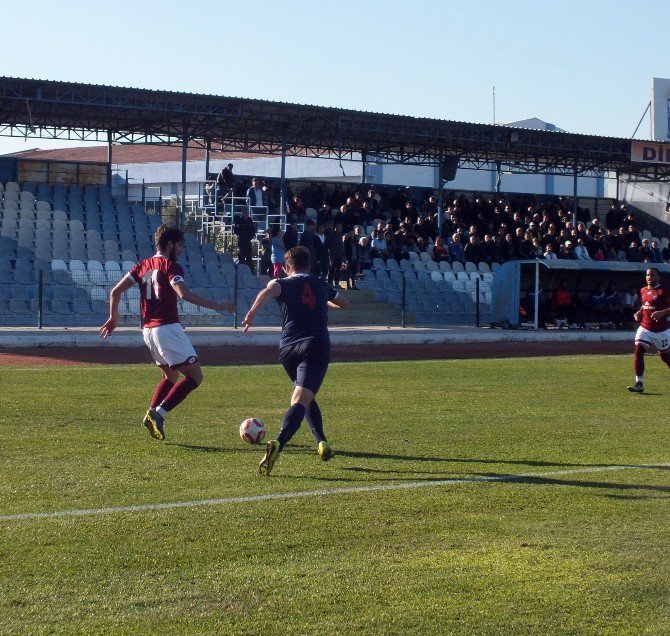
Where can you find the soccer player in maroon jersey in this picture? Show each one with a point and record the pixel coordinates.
(304, 348)
(654, 327)
(161, 281)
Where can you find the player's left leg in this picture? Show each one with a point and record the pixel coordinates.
(665, 356)
(192, 380)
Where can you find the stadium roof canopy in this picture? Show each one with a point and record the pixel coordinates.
(64, 110)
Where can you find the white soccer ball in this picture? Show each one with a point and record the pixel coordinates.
(252, 430)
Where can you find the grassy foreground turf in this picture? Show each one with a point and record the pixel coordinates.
(574, 546)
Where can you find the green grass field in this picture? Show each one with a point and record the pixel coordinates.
(577, 543)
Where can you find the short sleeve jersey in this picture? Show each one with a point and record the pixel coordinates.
(158, 300)
(654, 299)
(303, 300)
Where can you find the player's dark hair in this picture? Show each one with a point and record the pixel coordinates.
(298, 259)
(165, 234)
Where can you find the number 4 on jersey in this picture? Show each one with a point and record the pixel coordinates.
(308, 297)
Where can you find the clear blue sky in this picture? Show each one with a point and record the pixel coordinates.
(584, 65)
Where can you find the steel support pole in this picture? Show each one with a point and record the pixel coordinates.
(109, 158)
(208, 147)
(617, 185)
(537, 293)
(40, 299)
(404, 302)
(574, 196)
(440, 193)
(365, 159)
(184, 156)
(282, 182)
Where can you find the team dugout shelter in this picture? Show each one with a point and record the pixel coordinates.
(514, 280)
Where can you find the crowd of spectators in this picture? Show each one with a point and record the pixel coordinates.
(359, 223)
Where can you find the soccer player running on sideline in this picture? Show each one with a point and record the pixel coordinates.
(304, 348)
(654, 326)
(161, 281)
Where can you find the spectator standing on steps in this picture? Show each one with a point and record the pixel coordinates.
(225, 181)
(256, 194)
(335, 244)
(245, 230)
(277, 253)
(291, 234)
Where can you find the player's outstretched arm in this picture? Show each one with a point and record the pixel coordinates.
(185, 293)
(114, 298)
(265, 296)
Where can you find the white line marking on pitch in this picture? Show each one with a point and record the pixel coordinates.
(87, 512)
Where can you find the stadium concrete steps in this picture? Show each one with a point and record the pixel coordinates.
(365, 310)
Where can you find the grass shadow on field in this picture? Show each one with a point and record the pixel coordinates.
(472, 460)
(243, 448)
(384, 476)
(214, 449)
(551, 481)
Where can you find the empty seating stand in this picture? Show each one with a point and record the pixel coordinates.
(78, 242)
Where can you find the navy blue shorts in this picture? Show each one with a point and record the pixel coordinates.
(306, 363)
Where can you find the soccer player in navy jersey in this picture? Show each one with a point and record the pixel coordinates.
(161, 281)
(654, 327)
(304, 348)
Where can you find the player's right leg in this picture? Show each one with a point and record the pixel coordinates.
(272, 450)
(289, 426)
(153, 420)
(642, 343)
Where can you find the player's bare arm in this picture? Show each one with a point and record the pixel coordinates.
(339, 302)
(265, 296)
(187, 294)
(659, 315)
(114, 298)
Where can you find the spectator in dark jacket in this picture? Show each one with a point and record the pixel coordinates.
(291, 234)
(471, 251)
(335, 243)
(245, 230)
(308, 240)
